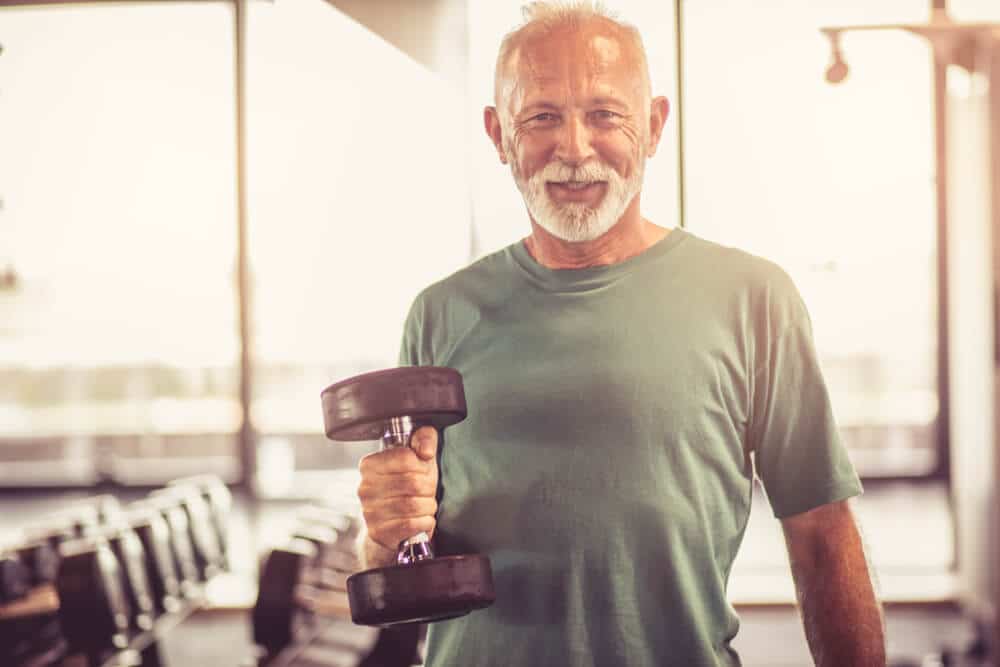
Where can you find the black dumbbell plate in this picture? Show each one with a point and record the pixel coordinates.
(426, 591)
(357, 408)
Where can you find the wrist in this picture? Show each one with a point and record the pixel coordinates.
(372, 554)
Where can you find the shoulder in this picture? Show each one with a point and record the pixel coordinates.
(738, 272)
(456, 301)
(480, 280)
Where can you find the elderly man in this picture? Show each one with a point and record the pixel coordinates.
(625, 383)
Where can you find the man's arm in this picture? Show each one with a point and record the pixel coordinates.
(842, 616)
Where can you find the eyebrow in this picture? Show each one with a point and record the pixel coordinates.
(594, 101)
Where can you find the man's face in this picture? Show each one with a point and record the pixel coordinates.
(575, 128)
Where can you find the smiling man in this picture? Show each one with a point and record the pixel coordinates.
(625, 383)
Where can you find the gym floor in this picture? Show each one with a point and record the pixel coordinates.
(907, 529)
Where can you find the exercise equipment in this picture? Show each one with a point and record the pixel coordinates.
(181, 548)
(302, 617)
(389, 405)
(207, 551)
(136, 584)
(93, 609)
(15, 579)
(152, 531)
(219, 501)
(41, 560)
(96, 584)
(275, 612)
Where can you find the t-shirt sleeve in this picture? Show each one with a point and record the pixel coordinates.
(798, 453)
(411, 347)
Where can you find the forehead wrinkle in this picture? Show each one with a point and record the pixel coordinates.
(541, 66)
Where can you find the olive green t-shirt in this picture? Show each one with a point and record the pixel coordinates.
(605, 465)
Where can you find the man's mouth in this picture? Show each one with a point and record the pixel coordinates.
(576, 191)
(575, 185)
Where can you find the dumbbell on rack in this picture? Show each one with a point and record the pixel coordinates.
(157, 545)
(29, 626)
(218, 501)
(93, 610)
(181, 546)
(105, 578)
(302, 614)
(317, 558)
(207, 551)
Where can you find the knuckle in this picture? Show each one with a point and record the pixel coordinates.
(367, 492)
(371, 518)
(409, 485)
(370, 463)
(428, 486)
(415, 525)
(412, 506)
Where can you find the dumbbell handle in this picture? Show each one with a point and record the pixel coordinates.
(398, 433)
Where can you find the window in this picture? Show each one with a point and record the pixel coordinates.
(118, 340)
(358, 198)
(835, 184)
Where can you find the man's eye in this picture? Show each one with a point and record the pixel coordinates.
(604, 114)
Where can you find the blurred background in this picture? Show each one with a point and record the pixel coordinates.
(209, 211)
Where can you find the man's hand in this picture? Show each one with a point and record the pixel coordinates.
(398, 493)
(842, 616)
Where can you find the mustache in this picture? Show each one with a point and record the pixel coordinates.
(562, 172)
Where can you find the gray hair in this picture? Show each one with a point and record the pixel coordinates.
(547, 15)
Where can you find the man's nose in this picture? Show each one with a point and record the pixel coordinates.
(574, 141)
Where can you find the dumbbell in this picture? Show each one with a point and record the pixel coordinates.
(152, 531)
(206, 548)
(185, 565)
(41, 559)
(276, 610)
(219, 501)
(15, 578)
(136, 585)
(389, 405)
(93, 609)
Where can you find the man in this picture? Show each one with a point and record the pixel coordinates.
(625, 382)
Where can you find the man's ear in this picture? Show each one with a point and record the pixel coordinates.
(659, 109)
(494, 129)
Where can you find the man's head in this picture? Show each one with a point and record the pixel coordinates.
(574, 117)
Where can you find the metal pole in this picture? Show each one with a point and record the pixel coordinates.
(679, 107)
(941, 183)
(247, 439)
(994, 112)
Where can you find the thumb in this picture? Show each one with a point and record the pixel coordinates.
(425, 443)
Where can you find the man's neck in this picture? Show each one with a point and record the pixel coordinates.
(629, 237)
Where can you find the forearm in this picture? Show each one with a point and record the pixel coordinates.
(840, 611)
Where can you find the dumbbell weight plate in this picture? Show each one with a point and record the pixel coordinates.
(15, 579)
(93, 610)
(219, 501)
(182, 552)
(274, 613)
(42, 561)
(132, 559)
(358, 408)
(204, 542)
(422, 592)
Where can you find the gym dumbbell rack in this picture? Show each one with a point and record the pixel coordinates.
(125, 577)
(302, 617)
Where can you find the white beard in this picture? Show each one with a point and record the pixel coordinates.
(576, 221)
